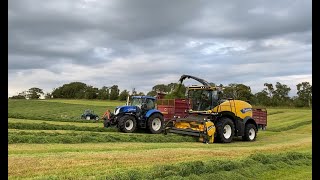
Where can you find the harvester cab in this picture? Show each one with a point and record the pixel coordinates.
(139, 112)
(211, 118)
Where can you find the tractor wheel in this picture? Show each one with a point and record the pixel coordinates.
(127, 124)
(250, 132)
(97, 118)
(225, 130)
(155, 123)
(88, 118)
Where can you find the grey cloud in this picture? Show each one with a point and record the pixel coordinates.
(142, 43)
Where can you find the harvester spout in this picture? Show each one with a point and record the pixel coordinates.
(183, 77)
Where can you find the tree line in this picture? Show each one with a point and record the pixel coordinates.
(270, 95)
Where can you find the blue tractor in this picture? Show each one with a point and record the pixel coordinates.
(139, 113)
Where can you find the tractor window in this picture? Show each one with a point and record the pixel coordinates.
(150, 104)
(136, 102)
(202, 100)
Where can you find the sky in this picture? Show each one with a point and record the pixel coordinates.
(141, 43)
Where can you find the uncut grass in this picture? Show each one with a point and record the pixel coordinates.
(44, 110)
(93, 102)
(292, 118)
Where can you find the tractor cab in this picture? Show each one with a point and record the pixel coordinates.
(202, 98)
(143, 102)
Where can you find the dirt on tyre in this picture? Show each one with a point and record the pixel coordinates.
(225, 130)
(155, 123)
(250, 132)
(127, 124)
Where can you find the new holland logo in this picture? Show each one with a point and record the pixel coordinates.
(244, 110)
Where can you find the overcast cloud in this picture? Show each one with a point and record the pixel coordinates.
(141, 43)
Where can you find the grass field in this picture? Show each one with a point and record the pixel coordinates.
(47, 140)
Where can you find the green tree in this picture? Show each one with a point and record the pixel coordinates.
(17, 97)
(152, 93)
(281, 94)
(161, 88)
(305, 93)
(238, 91)
(178, 91)
(114, 92)
(103, 93)
(34, 93)
(123, 95)
(270, 91)
(91, 92)
(73, 90)
(262, 98)
(134, 92)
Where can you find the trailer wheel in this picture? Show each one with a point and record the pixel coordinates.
(250, 132)
(127, 124)
(155, 123)
(225, 130)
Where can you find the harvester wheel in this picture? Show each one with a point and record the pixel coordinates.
(225, 130)
(250, 132)
(155, 123)
(127, 124)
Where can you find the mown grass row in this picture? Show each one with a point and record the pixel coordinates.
(291, 126)
(47, 126)
(74, 137)
(91, 124)
(248, 168)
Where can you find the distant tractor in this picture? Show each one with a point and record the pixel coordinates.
(89, 114)
(139, 113)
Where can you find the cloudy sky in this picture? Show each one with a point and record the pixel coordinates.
(141, 43)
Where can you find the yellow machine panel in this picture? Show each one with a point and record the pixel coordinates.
(240, 108)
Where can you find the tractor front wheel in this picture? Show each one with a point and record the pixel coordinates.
(225, 130)
(155, 123)
(127, 124)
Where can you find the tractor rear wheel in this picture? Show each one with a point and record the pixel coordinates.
(127, 124)
(155, 123)
(225, 130)
(88, 118)
(250, 132)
